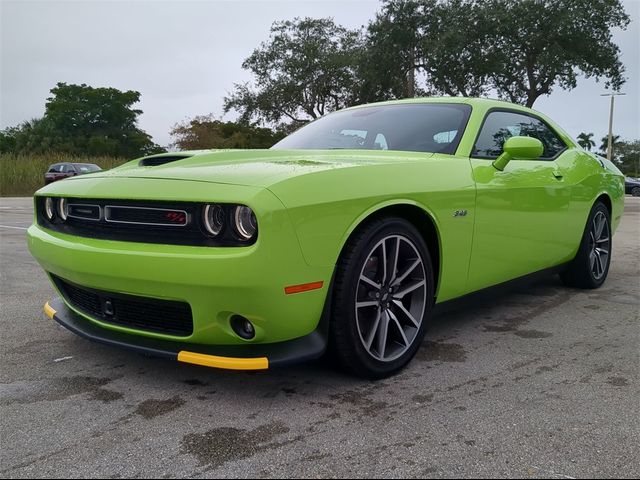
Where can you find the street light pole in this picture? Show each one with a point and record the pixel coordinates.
(610, 141)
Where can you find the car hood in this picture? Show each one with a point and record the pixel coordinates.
(256, 168)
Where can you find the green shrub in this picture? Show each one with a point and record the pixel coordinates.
(22, 175)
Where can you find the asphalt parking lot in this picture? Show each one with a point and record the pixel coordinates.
(542, 382)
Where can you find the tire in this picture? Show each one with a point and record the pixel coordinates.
(590, 267)
(635, 191)
(403, 303)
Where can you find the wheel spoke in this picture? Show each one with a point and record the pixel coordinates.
(367, 280)
(599, 267)
(374, 329)
(382, 334)
(592, 260)
(408, 289)
(411, 268)
(602, 240)
(397, 322)
(368, 303)
(399, 304)
(384, 261)
(600, 225)
(394, 266)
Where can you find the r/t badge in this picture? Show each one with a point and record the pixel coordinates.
(460, 213)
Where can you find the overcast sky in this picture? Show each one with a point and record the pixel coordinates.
(184, 56)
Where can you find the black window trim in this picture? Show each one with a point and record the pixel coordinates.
(526, 114)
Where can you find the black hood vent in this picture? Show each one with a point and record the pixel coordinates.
(161, 160)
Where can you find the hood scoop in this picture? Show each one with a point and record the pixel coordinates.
(161, 160)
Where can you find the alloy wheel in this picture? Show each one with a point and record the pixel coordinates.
(599, 245)
(391, 297)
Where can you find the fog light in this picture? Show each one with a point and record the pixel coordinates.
(243, 327)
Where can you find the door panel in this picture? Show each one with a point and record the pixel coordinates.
(520, 224)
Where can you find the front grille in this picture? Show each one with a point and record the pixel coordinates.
(146, 216)
(169, 223)
(141, 313)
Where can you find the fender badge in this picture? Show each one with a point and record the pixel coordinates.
(460, 213)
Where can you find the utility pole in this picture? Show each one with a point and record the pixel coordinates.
(610, 142)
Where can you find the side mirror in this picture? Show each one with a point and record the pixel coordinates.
(517, 148)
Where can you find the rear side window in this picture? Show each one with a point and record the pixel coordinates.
(54, 169)
(499, 126)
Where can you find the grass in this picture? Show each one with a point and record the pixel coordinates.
(22, 175)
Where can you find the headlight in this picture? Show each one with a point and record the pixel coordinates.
(48, 208)
(245, 222)
(214, 219)
(62, 209)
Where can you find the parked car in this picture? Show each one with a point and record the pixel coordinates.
(345, 233)
(632, 186)
(59, 171)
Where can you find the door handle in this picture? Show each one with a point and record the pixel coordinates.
(558, 175)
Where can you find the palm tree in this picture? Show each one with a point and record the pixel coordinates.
(584, 140)
(615, 141)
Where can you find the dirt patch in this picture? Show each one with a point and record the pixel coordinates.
(618, 381)
(51, 390)
(441, 352)
(361, 399)
(422, 398)
(532, 334)
(154, 408)
(221, 445)
(106, 396)
(196, 382)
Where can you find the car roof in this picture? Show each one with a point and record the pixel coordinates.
(486, 103)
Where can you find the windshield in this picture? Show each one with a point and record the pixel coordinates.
(434, 127)
(87, 167)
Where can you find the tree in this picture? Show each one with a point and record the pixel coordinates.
(585, 141)
(392, 54)
(414, 38)
(80, 119)
(306, 69)
(604, 145)
(521, 49)
(541, 44)
(205, 132)
(628, 157)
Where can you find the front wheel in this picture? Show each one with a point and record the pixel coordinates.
(590, 267)
(383, 294)
(635, 191)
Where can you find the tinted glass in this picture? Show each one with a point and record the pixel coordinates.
(54, 168)
(412, 128)
(499, 126)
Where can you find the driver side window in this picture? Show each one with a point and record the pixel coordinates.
(500, 125)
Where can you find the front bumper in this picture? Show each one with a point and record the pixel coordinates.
(217, 282)
(231, 357)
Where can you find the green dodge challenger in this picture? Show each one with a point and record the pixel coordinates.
(343, 236)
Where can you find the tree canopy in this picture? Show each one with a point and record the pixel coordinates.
(207, 132)
(306, 69)
(585, 140)
(80, 119)
(538, 45)
(518, 50)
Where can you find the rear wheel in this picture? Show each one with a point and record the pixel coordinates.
(590, 267)
(635, 191)
(383, 294)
